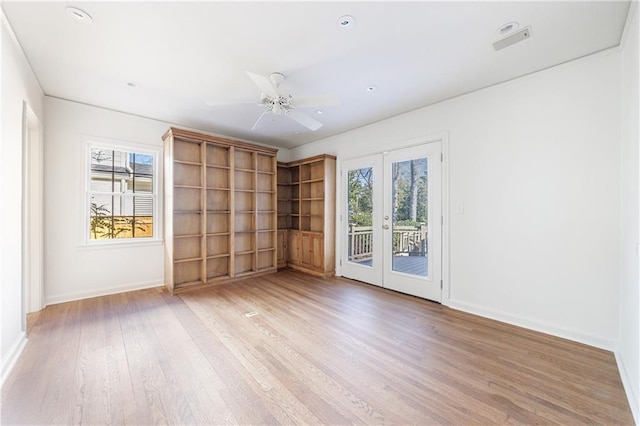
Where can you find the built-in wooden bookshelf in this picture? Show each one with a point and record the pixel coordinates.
(306, 215)
(220, 209)
(284, 213)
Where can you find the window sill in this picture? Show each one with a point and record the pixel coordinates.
(115, 244)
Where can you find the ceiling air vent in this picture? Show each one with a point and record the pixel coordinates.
(514, 38)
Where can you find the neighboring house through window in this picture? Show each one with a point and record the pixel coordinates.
(122, 193)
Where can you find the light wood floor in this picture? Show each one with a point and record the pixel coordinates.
(319, 351)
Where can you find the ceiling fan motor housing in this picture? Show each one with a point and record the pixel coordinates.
(279, 104)
(276, 78)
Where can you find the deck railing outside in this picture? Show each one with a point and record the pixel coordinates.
(407, 241)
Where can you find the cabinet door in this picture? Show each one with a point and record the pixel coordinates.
(306, 250)
(282, 248)
(294, 247)
(317, 252)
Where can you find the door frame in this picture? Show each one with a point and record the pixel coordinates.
(443, 138)
(32, 213)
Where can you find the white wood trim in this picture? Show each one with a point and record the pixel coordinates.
(12, 356)
(542, 327)
(88, 142)
(32, 212)
(631, 387)
(105, 291)
(445, 242)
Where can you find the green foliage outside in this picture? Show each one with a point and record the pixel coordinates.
(104, 226)
(410, 208)
(413, 223)
(361, 219)
(360, 197)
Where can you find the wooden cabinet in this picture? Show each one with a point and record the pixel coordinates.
(306, 209)
(220, 209)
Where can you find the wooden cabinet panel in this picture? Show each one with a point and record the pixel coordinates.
(220, 198)
(317, 248)
(282, 246)
(294, 247)
(305, 250)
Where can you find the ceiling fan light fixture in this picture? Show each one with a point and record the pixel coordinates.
(79, 15)
(371, 89)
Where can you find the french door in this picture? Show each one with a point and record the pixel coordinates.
(392, 226)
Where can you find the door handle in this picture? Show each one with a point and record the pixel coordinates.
(385, 226)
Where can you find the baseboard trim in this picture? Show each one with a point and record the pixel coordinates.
(9, 361)
(105, 291)
(631, 387)
(542, 327)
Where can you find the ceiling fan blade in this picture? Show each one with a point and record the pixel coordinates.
(264, 117)
(316, 101)
(264, 84)
(303, 119)
(226, 103)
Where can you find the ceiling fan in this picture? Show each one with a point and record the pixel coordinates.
(276, 102)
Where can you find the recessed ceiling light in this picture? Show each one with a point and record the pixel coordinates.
(319, 111)
(371, 89)
(346, 21)
(507, 28)
(132, 85)
(79, 15)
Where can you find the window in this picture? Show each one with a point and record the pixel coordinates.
(122, 193)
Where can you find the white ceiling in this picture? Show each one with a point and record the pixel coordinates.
(182, 54)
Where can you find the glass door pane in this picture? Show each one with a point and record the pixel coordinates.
(409, 211)
(360, 216)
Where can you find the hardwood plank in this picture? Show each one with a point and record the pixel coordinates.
(40, 372)
(319, 351)
(244, 403)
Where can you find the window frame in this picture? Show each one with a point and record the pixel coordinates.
(156, 195)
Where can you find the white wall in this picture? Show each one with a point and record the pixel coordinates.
(628, 349)
(536, 162)
(73, 270)
(18, 85)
